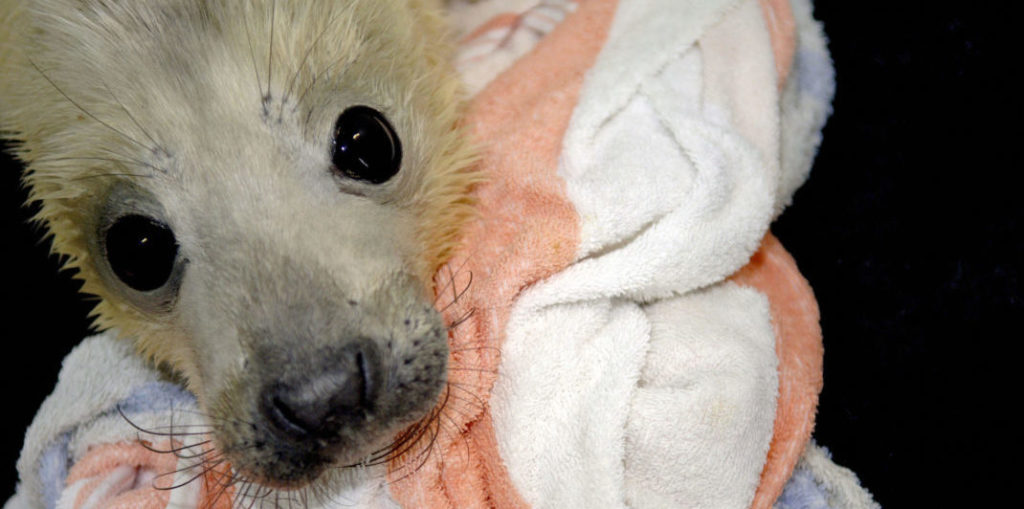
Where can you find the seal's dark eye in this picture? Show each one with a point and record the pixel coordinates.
(365, 146)
(141, 251)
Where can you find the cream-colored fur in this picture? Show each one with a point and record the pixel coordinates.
(216, 117)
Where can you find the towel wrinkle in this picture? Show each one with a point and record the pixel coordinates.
(633, 335)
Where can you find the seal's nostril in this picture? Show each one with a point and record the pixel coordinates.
(286, 418)
(364, 377)
(319, 403)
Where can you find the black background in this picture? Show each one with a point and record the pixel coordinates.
(909, 230)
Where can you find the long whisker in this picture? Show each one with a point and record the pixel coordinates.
(477, 370)
(452, 274)
(83, 110)
(458, 295)
(305, 57)
(461, 387)
(465, 439)
(317, 76)
(401, 447)
(104, 159)
(204, 471)
(174, 426)
(461, 320)
(175, 450)
(151, 432)
(421, 431)
(481, 347)
(270, 52)
(156, 146)
(425, 456)
(403, 444)
(245, 494)
(460, 411)
(111, 175)
(222, 486)
(252, 53)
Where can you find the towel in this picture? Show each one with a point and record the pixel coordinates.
(629, 333)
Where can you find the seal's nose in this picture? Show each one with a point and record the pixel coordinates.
(318, 401)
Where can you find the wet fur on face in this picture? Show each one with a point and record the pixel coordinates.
(215, 119)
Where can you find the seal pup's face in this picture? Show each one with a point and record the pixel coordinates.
(259, 192)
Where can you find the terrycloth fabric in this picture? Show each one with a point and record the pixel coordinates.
(799, 352)
(527, 231)
(717, 159)
(122, 469)
(85, 447)
(619, 345)
(818, 483)
(114, 435)
(703, 183)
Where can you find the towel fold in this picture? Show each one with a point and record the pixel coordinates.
(630, 334)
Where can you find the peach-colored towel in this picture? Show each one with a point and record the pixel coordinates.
(137, 475)
(530, 230)
(629, 332)
(527, 232)
(798, 345)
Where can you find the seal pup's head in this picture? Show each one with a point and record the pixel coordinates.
(259, 192)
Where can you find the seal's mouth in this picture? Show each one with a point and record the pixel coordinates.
(299, 412)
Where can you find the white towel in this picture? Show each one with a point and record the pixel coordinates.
(637, 376)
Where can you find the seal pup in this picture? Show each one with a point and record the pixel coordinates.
(259, 193)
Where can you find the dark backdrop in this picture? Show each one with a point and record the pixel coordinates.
(909, 230)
